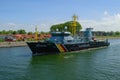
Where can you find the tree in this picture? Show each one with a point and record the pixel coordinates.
(21, 31)
(14, 32)
(66, 26)
(117, 33)
(29, 33)
(4, 32)
(42, 32)
(0, 32)
(10, 32)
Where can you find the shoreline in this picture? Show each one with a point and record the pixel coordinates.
(107, 37)
(12, 44)
(23, 43)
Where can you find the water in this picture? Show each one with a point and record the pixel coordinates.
(16, 63)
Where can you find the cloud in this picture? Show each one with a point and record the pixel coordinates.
(105, 13)
(44, 27)
(106, 23)
(11, 24)
(27, 27)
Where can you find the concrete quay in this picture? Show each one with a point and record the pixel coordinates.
(12, 44)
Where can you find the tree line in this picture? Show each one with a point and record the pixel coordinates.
(96, 33)
(108, 33)
(21, 31)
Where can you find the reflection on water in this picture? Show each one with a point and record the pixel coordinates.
(101, 64)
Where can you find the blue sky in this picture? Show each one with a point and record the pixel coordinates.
(102, 15)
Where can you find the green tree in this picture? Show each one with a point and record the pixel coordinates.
(4, 32)
(0, 32)
(29, 33)
(117, 33)
(21, 31)
(14, 32)
(42, 32)
(67, 26)
(10, 32)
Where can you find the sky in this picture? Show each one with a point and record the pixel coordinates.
(102, 15)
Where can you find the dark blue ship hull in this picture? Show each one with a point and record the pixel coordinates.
(41, 48)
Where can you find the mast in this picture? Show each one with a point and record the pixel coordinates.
(36, 34)
(74, 24)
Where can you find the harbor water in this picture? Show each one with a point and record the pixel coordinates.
(17, 63)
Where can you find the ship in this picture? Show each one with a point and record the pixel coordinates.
(64, 42)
